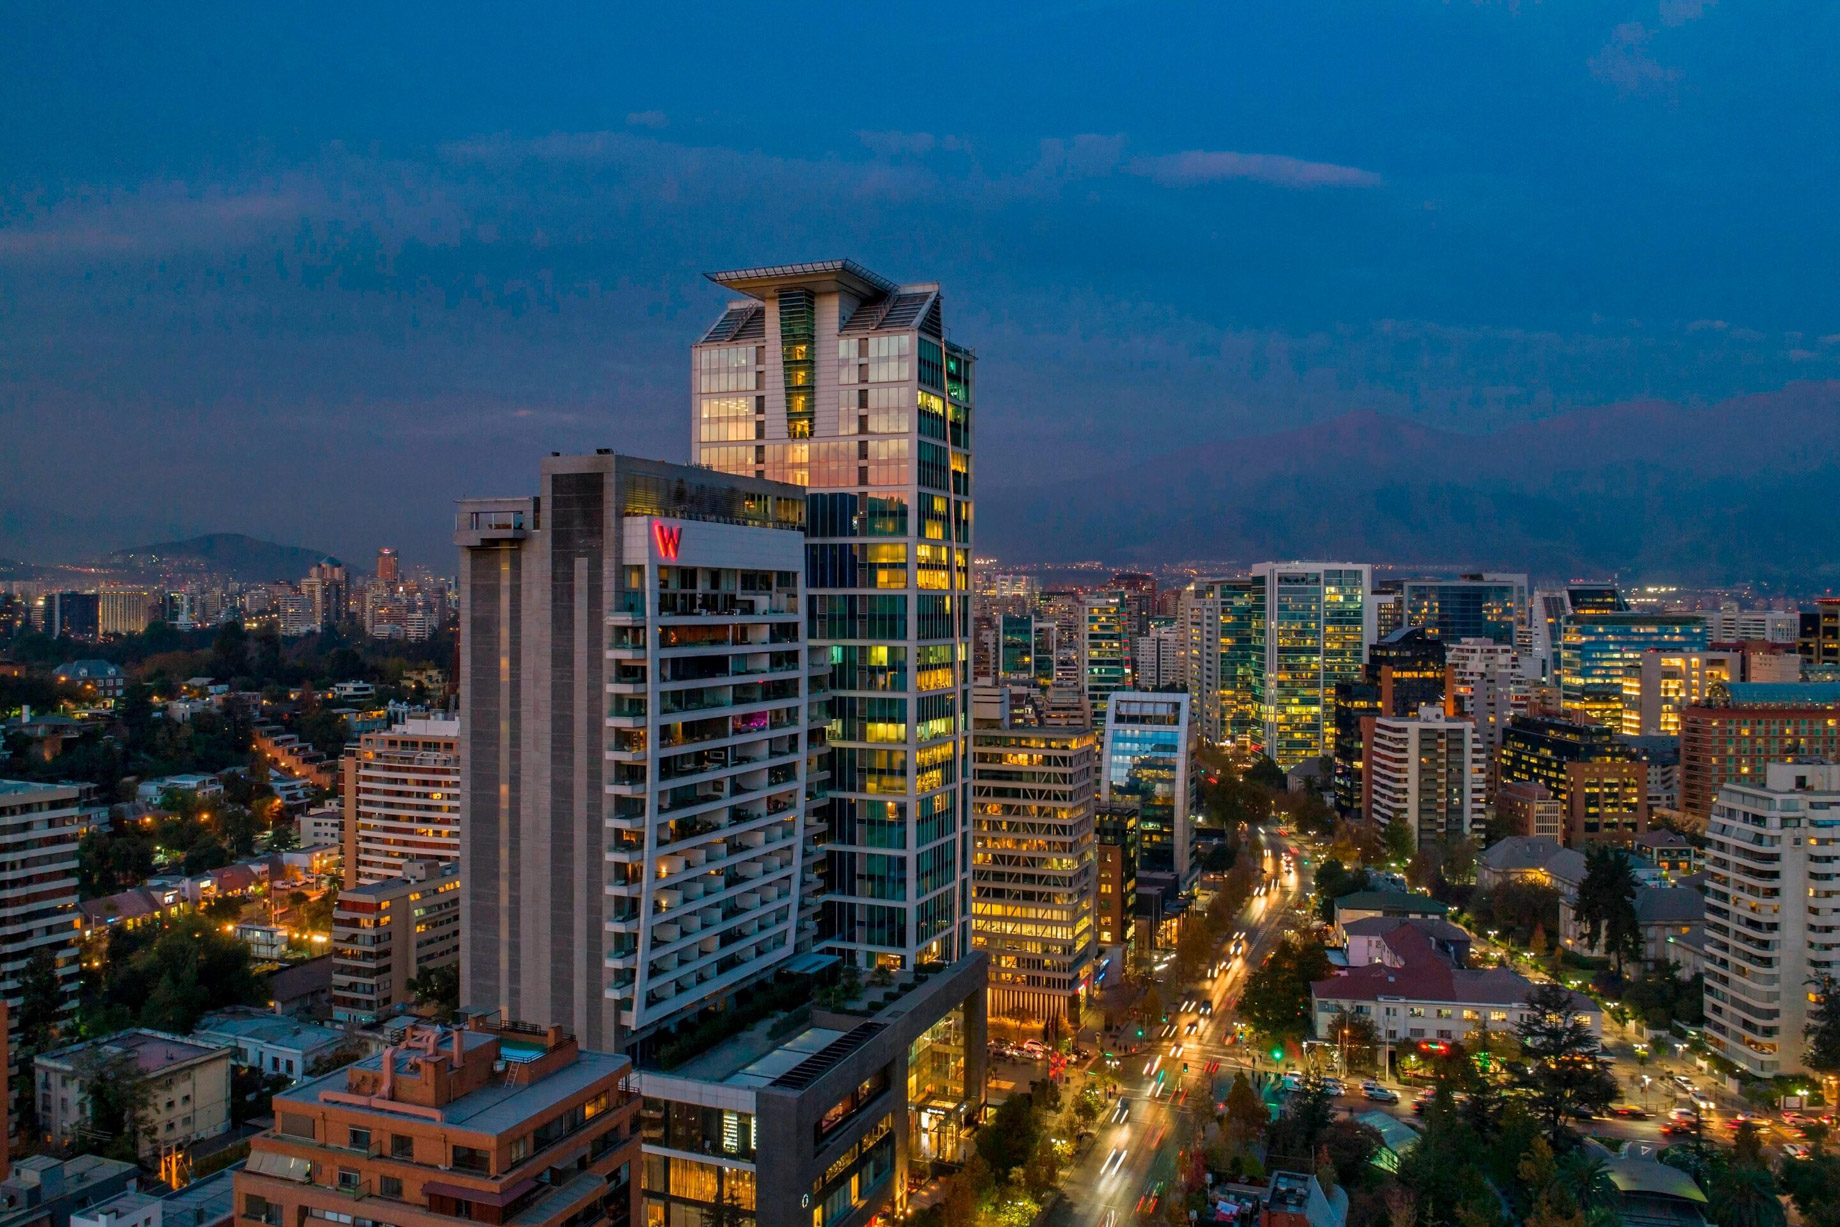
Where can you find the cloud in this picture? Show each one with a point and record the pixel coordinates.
(1625, 63)
(893, 144)
(646, 119)
(1680, 12)
(1215, 166)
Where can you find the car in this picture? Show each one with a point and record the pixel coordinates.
(1794, 1150)
(1421, 1102)
(1683, 1114)
(1192, 1028)
(1791, 1117)
(1628, 1111)
(1677, 1129)
(1379, 1094)
(1207, 1008)
(1334, 1086)
(1683, 1082)
(1035, 1048)
(1741, 1118)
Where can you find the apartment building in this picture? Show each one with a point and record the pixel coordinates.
(1741, 728)
(401, 792)
(40, 825)
(386, 933)
(1772, 911)
(188, 1086)
(494, 1123)
(1426, 773)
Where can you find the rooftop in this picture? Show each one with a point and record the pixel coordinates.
(1520, 852)
(1425, 976)
(1773, 694)
(1389, 900)
(1669, 905)
(152, 1050)
(848, 275)
(269, 1029)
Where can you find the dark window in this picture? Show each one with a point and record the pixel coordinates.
(389, 1186)
(401, 1146)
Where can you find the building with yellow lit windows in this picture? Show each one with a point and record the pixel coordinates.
(387, 933)
(828, 376)
(401, 789)
(1658, 686)
(1317, 628)
(1034, 860)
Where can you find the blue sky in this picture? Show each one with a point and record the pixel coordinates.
(314, 277)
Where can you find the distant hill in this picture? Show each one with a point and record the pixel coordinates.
(1739, 490)
(241, 557)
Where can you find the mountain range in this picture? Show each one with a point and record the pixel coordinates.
(1744, 489)
(240, 557)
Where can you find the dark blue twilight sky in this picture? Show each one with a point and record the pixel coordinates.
(313, 276)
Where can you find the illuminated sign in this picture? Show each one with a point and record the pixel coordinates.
(667, 538)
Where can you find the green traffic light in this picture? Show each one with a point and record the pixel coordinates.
(1277, 1053)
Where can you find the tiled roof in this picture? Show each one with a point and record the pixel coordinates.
(1388, 900)
(1520, 852)
(1669, 905)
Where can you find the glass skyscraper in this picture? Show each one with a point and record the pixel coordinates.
(1596, 650)
(1317, 625)
(1492, 607)
(833, 378)
(1148, 742)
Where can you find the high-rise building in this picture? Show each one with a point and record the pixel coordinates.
(39, 828)
(1485, 606)
(1033, 860)
(1105, 647)
(1742, 727)
(127, 611)
(1770, 917)
(830, 377)
(634, 755)
(1147, 758)
(1600, 783)
(1388, 603)
(1660, 685)
(401, 793)
(1223, 621)
(1158, 661)
(1316, 633)
(1116, 827)
(1729, 624)
(1404, 671)
(1425, 772)
(388, 567)
(1547, 611)
(1483, 682)
(1818, 633)
(67, 615)
(325, 586)
(388, 932)
(1597, 649)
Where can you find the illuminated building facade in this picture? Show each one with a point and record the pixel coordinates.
(1660, 685)
(1105, 647)
(1148, 759)
(1601, 786)
(1770, 912)
(1034, 864)
(386, 933)
(401, 789)
(1316, 631)
(1404, 671)
(1492, 607)
(1425, 772)
(1743, 727)
(1596, 650)
(834, 379)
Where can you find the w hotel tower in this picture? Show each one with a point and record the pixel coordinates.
(829, 377)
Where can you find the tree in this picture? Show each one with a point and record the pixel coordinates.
(1150, 1008)
(1008, 1141)
(1356, 1039)
(1606, 908)
(1277, 998)
(1562, 1076)
(1247, 1116)
(1194, 950)
(1398, 842)
(119, 1102)
(1549, 1202)
(1823, 1029)
(438, 987)
(1745, 1196)
(1266, 773)
(43, 1002)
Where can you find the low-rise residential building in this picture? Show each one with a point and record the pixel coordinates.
(188, 1085)
(510, 1124)
(323, 824)
(1418, 995)
(1367, 940)
(387, 933)
(1399, 904)
(826, 1125)
(97, 679)
(272, 1043)
(1518, 858)
(203, 787)
(44, 1191)
(1672, 855)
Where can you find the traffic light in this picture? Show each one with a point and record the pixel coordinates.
(1140, 1033)
(1277, 1052)
(1185, 1067)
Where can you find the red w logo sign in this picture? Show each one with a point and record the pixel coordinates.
(667, 537)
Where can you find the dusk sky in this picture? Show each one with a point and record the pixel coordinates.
(313, 277)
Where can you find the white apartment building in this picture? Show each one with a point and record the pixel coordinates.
(401, 789)
(1159, 659)
(39, 828)
(1772, 912)
(1427, 773)
(638, 636)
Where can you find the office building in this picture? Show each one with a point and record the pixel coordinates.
(389, 568)
(1424, 773)
(1033, 861)
(1223, 626)
(401, 793)
(1148, 759)
(1491, 607)
(127, 611)
(1116, 828)
(1658, 686)
(387, 933)
(1742, 727)
(1729, 624)
(1404, 671)
(1596, 650)
(634, 746)
(1770, 918)
(1528, 809)
(39, 828)
(1158, 660)
(1316, 633)
(1105, 647)
(1484, 683)
(830, 377)
(187, 1082)
(1387, 602)
(67, 615)
(513, 1124)
(831, 1125)
(1818, 634)
(1600, 785)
